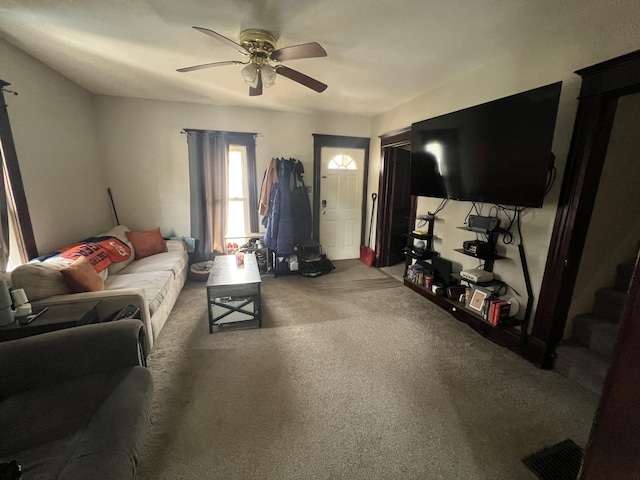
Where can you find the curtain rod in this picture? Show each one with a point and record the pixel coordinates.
(187, 130)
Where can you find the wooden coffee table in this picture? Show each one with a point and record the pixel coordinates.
(233, 293)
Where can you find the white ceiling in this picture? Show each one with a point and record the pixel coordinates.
(380, 53)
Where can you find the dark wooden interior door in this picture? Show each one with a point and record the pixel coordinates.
(602, 85)
(395, 206)
(400, 204)
(394, 201)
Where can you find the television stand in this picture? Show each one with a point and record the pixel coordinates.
(506, 336)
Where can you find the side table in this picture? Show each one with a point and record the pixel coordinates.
(56, 317)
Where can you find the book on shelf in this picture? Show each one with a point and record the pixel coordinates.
(497, 311)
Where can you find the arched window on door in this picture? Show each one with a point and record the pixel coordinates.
(342, 162)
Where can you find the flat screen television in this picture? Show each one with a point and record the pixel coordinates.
(496, 152)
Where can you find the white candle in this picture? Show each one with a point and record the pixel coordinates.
(19, 297)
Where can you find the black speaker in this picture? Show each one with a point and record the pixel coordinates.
(478, 223)
(442, 270)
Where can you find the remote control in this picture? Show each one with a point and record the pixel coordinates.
(129, 311)
(25, 320)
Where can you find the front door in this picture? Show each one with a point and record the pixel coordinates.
(342, 175)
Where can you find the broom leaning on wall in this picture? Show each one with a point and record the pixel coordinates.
(367, 255)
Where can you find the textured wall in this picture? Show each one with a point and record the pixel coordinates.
(596, 33)
(54, 130)
(147, 161)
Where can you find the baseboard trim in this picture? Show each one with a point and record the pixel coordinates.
(539, 353)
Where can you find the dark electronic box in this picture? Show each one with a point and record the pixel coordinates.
(477, 248)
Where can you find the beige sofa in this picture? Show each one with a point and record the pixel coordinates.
(152, 284)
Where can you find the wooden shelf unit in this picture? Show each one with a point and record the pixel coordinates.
(505, 335)
(492, 240)
(410, 252)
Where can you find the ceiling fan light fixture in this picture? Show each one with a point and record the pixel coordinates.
(268, 75)
(260, 46)
(250, 75)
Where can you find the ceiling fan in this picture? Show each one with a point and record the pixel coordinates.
(260, 47)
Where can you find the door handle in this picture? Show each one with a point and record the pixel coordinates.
(324, 212)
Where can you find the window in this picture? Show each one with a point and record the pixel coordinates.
(238, 223)
(17, 250)
(15, 222)
(223, 188)
(342, 162)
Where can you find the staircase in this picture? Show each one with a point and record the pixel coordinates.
(586, 356)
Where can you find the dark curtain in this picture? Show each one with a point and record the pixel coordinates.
(208, 175)
(208, 162)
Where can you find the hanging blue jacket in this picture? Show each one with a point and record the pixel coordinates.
(286, 223)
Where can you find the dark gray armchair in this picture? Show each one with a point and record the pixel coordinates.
(74, 404)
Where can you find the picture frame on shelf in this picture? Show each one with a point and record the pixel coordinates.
(477, 299)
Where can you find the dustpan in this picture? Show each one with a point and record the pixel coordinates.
(367, 255)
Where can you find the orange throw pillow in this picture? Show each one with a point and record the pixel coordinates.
(147, 243)
(80, 276)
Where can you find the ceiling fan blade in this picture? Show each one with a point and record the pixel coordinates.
(223, 39)
(207, 65)
(254, 92)
(301, 78)
(294, 52)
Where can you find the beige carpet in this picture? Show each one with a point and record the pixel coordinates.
(351, 383)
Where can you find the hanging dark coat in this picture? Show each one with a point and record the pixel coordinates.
(301, 207)
(289, 221)
(285, 239)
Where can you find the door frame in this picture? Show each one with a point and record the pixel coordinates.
(336, 141)
(602, 85)
(388, 141)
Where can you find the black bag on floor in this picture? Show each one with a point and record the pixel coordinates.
(311, 267)
(325, 264)
(309, 258)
